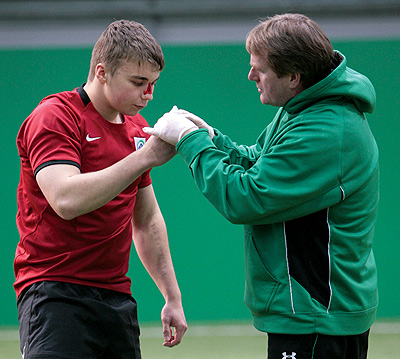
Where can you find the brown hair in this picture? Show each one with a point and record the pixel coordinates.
(125, 40)
(292, 43)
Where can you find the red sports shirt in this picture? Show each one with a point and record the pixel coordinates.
(92, 249)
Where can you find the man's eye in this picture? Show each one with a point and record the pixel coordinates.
(138, 84)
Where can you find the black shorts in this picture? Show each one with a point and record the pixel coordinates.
(70, 321)
(317, 346)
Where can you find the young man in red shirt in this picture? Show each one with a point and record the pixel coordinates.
(84, 193)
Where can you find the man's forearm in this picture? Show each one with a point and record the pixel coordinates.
(151, 244)
(79, 193)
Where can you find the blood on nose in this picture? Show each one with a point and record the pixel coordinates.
(148, 91)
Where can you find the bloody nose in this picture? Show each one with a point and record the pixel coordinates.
(148, 91)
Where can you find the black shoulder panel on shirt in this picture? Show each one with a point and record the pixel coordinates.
(56, 162)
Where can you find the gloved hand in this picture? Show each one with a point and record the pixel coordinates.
(200, 123)
(171, 127)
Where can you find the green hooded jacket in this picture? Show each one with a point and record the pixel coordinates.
(307, 195)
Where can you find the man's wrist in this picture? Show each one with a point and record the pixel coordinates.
(194, 128)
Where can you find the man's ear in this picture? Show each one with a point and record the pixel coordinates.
(295, 81)
(101, 73)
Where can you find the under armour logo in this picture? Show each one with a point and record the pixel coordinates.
(288, 356)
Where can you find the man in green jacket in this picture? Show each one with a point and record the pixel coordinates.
(306, 192)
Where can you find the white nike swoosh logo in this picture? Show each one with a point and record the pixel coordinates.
(90, 139)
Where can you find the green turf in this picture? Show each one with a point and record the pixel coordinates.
(204, 346)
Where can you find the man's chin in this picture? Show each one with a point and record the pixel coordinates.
(132, 112)
(263, 100)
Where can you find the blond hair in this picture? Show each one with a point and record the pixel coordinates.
(292, 43)
(125, 40)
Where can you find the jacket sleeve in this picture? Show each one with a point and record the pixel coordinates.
(296, 175)
(241, 155)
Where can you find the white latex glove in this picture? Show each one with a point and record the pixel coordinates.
(171, 127)
(199, 122)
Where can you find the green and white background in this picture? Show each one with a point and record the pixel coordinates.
(206, 72)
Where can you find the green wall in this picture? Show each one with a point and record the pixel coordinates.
(210, 81)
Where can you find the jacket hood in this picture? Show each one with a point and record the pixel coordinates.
(342, 81)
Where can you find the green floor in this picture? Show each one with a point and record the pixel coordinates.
(222, 342)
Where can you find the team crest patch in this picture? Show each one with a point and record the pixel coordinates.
(139, 142)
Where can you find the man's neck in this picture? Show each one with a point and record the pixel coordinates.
(99, 101)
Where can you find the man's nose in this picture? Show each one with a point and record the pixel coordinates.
(149, 90)
(250, 76)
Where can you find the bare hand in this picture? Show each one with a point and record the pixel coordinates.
(172, 316)
(160, 152)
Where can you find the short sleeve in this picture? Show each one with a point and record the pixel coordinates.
(50, 135)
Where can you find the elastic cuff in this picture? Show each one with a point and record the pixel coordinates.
(193, 144)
